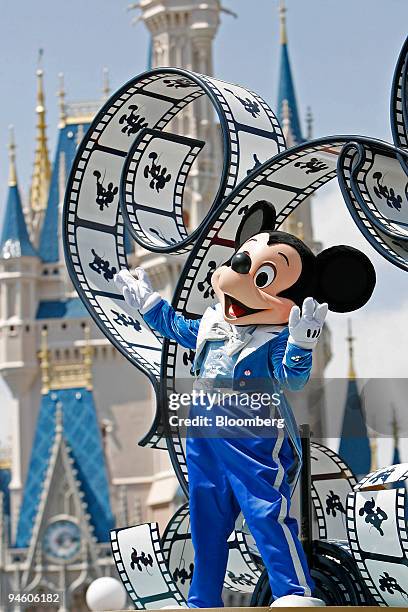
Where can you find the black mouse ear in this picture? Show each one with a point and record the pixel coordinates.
(345, 278)
(261, 216)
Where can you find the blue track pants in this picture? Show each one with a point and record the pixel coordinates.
(248, 474)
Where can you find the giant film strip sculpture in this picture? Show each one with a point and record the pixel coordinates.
(133, 169)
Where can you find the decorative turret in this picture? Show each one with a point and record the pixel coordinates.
(42, 169)
(19, 272)
(15, 241)
(287, 104)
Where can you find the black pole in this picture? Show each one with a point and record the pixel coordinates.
(306, 534)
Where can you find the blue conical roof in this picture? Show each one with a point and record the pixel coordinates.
(15, 241)
(287, 93)
(354, 444)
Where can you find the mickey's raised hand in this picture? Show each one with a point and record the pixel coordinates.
(305, 327)
(138, 292)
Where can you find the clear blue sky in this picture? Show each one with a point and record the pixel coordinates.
(343, 55)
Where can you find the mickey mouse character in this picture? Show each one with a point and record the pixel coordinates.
(273, 297)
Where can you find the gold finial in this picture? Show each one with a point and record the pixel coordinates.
(282, 12)
(61, 101)
(309, 123)
(42, 169)
(12, 156)
(350, 339)
(106, 84)
(87, 354)
(44, 356)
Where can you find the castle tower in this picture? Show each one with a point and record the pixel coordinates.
(19, 270)
(182, 35)
(42, 168)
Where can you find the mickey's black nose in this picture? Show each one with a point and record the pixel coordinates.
(241, 263)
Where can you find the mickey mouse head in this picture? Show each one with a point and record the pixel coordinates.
(272, 271)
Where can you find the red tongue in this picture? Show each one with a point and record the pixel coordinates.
(235, 310)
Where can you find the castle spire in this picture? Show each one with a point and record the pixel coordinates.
(42, 169)
(14, 241)
(350, 340)
(286, 84)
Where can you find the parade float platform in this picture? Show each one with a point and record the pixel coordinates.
(267, 608)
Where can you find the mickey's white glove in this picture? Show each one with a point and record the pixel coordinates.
(305, 327)
(138, 292)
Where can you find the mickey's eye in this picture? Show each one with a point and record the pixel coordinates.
(265, 275)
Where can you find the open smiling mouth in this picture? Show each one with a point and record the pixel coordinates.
(234, 309)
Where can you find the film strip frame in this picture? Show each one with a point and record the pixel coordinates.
(383, 476)
(359, 185)
(345, 473)
(129, 177)
(141, 601)
(386, 246)
(361, 556)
